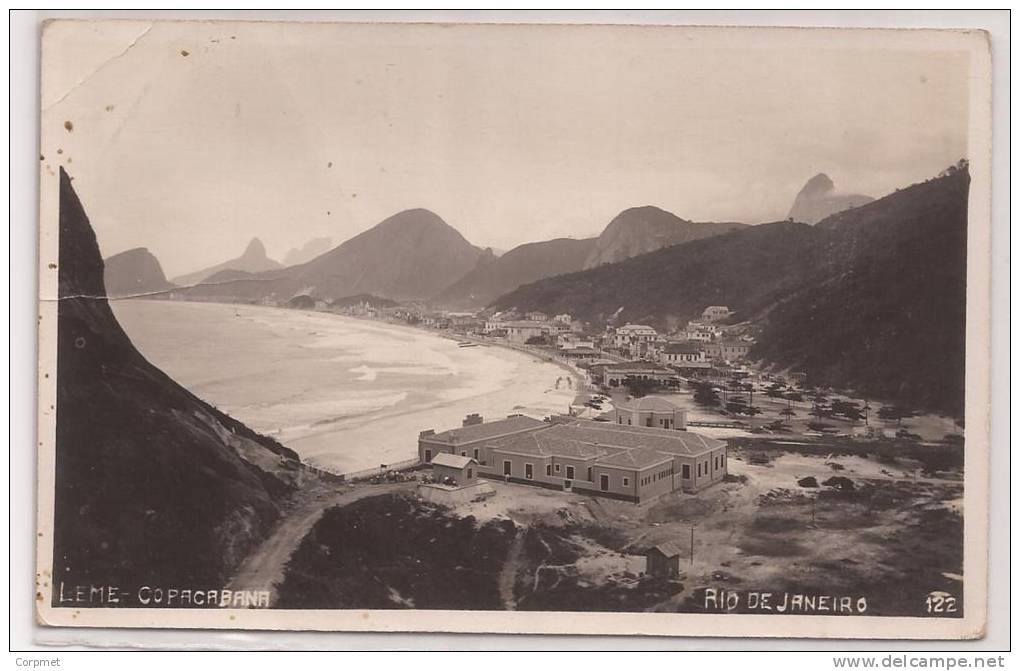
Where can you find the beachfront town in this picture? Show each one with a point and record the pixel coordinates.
(644, 398)
(703, 348)
(706, 360)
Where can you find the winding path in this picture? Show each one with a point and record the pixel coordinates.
(508, 576)
(263, 568)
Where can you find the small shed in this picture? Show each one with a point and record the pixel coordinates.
(454, 470)
(663, 560)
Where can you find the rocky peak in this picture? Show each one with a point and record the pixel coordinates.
(254, 250)
(819, 198)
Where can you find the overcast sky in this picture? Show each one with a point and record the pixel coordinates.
(511, 134)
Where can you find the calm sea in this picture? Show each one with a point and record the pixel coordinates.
(344, 393)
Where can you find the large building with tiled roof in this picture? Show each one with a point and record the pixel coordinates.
(627, 462)
(466, 440)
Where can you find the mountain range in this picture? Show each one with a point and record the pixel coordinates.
(412, 255)
(153, 485)
(872, 297)
(253, 260)
(415, 255)
(649, 265)
(639, 230)
(307, 251)
(132, 273)
(495, 275)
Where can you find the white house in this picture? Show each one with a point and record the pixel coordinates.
(631, 337)
(678, 353)
(521, 331)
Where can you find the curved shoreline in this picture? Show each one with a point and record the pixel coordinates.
(281, 369)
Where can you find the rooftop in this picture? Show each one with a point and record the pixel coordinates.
(530, 323)
(682, 348)
(635, 447)
(451, 460)
(548, 443)
(607, 434)
(639, 458)
(637, 366)
(648, 404)
(487, 430)
(667, 549)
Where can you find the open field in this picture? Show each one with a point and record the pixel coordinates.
(888, 530)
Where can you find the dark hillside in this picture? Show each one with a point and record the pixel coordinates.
(153, 485)
(873, 298)
(891, 318)
(524, 264)
(748, 270)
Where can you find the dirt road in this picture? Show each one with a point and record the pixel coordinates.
(263, 568)
(508, 575)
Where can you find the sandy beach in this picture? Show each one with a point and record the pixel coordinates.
(345, 393)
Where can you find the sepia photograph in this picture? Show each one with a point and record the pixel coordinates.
(566, 329)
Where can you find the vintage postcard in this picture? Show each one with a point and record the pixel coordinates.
(567, 329)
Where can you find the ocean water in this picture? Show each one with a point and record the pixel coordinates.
(344, 393)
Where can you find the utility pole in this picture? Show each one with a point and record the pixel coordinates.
(692, 544)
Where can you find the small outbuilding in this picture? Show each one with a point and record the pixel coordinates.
(454, 470)
(663, 560)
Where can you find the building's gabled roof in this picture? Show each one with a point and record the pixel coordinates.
(639, 458)
(667, 549)
(528, 323)
(683, 348)
(642, 366)
(486, 430)
(648, 404)
(607, 434)
(635, 328)
(547, 443)
(451, 460)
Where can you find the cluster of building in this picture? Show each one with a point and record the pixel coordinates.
(534, 328)
(698, 344)
(705, 347)
(644, 454)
